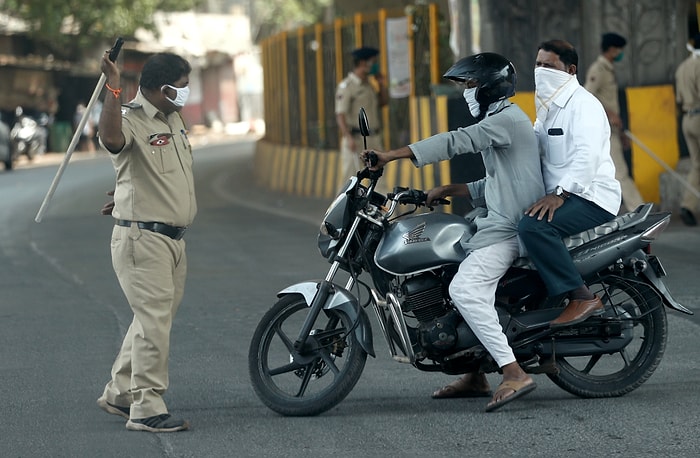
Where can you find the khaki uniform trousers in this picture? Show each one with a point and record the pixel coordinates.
(691, 133)
(351, 163)
(631, 199)
(151, 269)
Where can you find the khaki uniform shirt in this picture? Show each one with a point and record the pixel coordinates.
(154, 169)
(600, 81)
(688, 84)
(351, 95)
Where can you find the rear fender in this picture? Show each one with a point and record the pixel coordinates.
(342, 300)
(652, 274)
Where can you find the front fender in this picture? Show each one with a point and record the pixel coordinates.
(342, 300)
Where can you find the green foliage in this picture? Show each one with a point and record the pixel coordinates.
(72, 25)
(274, 16)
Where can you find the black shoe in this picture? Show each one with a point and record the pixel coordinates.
(113, 409)
(687, 217)
(163, 423)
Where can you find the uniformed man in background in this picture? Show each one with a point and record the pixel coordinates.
(601, 82)
(154, 202)
(355, 92)
(688, 97)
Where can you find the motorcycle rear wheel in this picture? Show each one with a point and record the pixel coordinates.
(322, 377)
(619, 373)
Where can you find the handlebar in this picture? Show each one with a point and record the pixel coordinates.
(414, 197)
(371, 159)
(406, 196)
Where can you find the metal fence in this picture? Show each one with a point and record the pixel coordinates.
(302, 69)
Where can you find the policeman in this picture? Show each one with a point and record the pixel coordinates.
(688, 97)
(154, 202)
(353, 93)
(601, 82)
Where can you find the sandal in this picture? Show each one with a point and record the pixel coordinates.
(519, 389)
(459, 389)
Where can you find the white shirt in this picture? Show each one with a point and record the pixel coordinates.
(574, 144)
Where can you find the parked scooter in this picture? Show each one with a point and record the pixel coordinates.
(28, 135)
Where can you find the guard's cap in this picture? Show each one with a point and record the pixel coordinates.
(613, 39)
(364, 53)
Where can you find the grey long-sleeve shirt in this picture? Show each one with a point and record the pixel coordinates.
(513, 179)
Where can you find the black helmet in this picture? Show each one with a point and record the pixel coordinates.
(494, 74)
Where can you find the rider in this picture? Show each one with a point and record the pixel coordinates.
(574, 138)
(503, 135)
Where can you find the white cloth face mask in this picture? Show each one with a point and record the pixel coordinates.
(548, 83)
(182, 93)
(469, 95)
(691, 49)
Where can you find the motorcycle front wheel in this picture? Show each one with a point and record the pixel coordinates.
(616, 374)
(313, 380)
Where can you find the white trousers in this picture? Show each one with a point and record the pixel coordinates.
(473, 290)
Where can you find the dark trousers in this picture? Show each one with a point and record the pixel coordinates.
(546, 249)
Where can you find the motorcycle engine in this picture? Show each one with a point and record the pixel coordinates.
(424, 297)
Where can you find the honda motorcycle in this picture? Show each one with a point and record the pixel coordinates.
(309, 349)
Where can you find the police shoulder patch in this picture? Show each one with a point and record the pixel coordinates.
(127, 107)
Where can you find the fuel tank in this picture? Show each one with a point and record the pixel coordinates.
(422, 242)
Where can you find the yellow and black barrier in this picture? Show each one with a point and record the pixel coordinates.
(313, 172)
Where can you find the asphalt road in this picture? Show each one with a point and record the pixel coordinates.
(62, 318)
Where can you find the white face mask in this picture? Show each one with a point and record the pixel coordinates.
(181, 95)
(469, 95)
(691, 49)
(548, 84)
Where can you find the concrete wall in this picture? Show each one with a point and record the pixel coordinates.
(656, 32)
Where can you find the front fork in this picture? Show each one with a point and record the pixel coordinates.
(324, 295)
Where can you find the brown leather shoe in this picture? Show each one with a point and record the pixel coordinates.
(577, 311)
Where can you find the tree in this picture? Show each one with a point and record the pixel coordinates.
(272, 16)
(70, 26)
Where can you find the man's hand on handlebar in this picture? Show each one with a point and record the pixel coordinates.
(436, 196)
(417, 197)
(373, 159)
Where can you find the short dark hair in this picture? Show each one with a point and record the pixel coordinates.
(565, 50)
(608, 40)
(163, 68)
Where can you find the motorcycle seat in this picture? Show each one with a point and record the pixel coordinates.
(574, 241)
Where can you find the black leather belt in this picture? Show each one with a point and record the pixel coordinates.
(174, 232)
(694, 111)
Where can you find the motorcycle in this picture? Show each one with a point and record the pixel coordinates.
(28, 135)
(310, 348)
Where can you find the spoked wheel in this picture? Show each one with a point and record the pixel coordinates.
(642, 312)
(310, 381)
